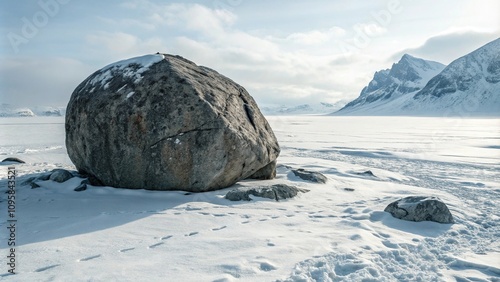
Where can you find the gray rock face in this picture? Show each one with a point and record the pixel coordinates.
(81, 187)
(60, 175)
(276, 192)
(420, 208)
(161, 122)
(312, 176)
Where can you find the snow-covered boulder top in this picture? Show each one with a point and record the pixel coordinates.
(420, 208)
(132, 68)
(161, 122)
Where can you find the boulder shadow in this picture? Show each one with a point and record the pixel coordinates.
(422, 228)
(54, 210)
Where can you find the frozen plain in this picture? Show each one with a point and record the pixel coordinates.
(328, 234)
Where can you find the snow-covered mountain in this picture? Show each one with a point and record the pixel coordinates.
(7, 110)
(305, 109)
(468, 86)
(393, 85)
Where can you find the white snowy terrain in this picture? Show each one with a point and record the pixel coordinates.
(468, 86)
(336, 232)
(305, 109)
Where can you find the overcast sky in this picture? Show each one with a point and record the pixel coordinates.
(282, 51)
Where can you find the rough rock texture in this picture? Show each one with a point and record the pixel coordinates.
(312, 176)
(161, 122)
(420, 208)
(60, 175)
(276, 192)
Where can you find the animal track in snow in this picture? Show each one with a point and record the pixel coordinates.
(126, 250)
(192, 234)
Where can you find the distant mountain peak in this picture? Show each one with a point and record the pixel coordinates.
(463, 74)
(8, 110)
(303, 109)
(470, 85)
(408, 57)
(408, 75)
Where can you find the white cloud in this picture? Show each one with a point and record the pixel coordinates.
(193, 17)
(269, 66)
(118, 45)
(449, 46)
(314, 37)
(128, 23)
(309, 38)
(370, 29)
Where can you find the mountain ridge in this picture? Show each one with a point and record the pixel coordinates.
(408, 75)
(468, 86)
(8, 110)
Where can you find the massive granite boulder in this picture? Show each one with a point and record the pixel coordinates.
(161, 122)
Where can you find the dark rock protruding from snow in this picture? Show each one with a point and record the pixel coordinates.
(13, 160)
(60, 175)
(312, 176)
(276, 192)
(81, 187)
(420, 208)
(161, 122)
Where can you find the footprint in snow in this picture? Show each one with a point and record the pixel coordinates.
(155, 245)
(46, 267)
(192, 234)
(89, 258)
(265, 266)
(219, 228)
(355, 237)
(389, 244)
(126, 250)
(166, 237)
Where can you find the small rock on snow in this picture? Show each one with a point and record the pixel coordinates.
(420, 208)
(276, 192)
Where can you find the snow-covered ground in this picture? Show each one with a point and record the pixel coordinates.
(328, 234)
